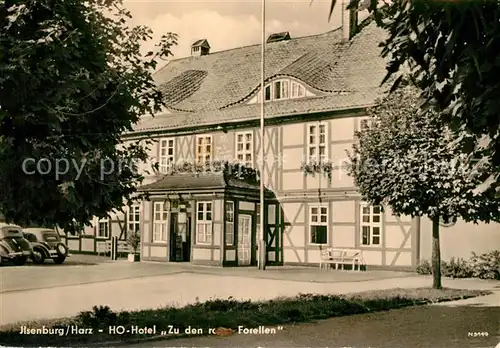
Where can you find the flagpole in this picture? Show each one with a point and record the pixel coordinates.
(262, 244)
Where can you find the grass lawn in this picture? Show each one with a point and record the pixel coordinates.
(221, 315)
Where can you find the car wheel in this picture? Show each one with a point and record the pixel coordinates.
(38, 257)
(59, 259)
(19, 261)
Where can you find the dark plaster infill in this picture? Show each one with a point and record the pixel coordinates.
(247, 123)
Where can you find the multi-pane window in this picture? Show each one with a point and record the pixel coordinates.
(244, 148)
(282, 89)
(204, 223)
(363, 124)
(258, 231)
(297, 90)
(160, 222)
(317, 142)
(167, 154)
(371, 225)
(203, 148)
(268, 93)
(318, 223)
(103, 228)
(133, 221)
(229, 223)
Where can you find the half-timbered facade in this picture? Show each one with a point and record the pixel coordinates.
(316, 93)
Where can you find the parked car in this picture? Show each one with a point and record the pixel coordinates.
(47, 244)
(13, 246)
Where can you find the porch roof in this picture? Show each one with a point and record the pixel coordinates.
(199, 181)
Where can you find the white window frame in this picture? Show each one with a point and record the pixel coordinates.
(289, 89)
(166, 159)
(298, 88)
(229, 221)
(314, 142)
(370, 225)
(160, 222)
(134, 219)
(201, 151)
(204, 223)
(316, 219)
(244, 152)
(103, 222)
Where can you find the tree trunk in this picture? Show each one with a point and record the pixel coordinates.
(436, 255)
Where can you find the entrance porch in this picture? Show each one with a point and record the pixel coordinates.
(207, 218)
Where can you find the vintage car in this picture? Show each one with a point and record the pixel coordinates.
(13, 246)
(47, 244)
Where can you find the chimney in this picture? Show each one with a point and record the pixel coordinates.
(349, 21)
(200, 48)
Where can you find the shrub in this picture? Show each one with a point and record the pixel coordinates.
(424, 268)
(486, 266)
(456, 268)
(98, 318)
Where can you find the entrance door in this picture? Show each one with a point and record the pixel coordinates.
(244, 239)
(175, 253)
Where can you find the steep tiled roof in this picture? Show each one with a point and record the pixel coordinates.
(214, 88)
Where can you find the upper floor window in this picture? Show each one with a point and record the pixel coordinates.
(317, 142)
(167, 154)
(244, 148)
(298, 90)
(371, 224)
(203, 148)
(281, 89)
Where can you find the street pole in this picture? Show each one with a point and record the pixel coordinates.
(262, 243)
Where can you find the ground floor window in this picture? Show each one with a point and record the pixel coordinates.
(371, 224)
(318, 224)
(133, 221)
(103, 228)
(229, 223)
(204, 223)
(160, 222)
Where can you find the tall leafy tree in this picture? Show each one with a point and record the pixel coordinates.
(450, 49)
(409, 160)
(72, 80)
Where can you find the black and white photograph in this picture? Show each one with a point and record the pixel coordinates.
(250, 173)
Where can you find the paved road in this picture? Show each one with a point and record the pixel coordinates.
(436, 326)
(33, 293)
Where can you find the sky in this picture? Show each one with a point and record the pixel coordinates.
(228, 24)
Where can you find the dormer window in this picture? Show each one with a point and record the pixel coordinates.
(282, 89)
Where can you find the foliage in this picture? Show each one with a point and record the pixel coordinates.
(456, 268)
(231, 170)
(101, 317)
(134, 240)
(313, 167)
(424, 267)
(450, 51)
(231, 313)
(486, 266)
(72, 80)
(409, 161)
